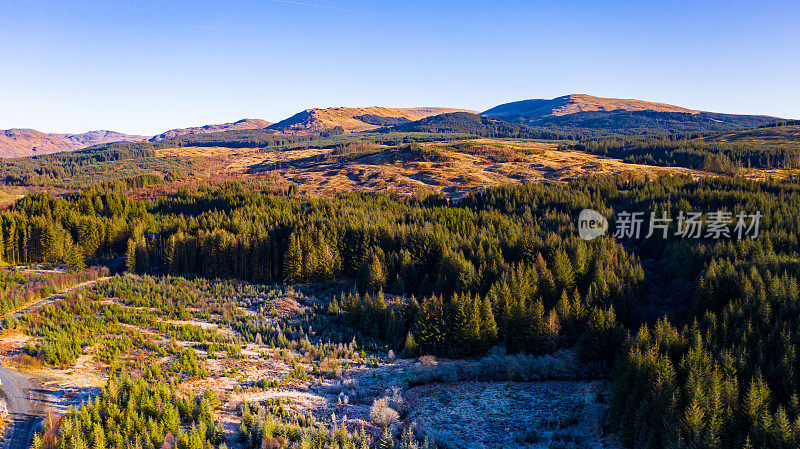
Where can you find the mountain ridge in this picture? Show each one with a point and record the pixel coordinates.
(574, 103)
(21, 142)
(566, 117)
(245, 123)
(626, 116)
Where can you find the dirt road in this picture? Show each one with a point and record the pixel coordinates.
(17, 389)
(34, 306)
(25, 402)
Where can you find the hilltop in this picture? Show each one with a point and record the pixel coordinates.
(247, 123)
(354, 119)
(570, 117)
(625, 116)
(533, 110)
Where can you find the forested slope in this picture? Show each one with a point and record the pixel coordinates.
(504, 266)
(768, 147)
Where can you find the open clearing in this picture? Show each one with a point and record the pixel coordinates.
(458, 167)
(539, 400)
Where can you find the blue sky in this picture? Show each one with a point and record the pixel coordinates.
(144, 67)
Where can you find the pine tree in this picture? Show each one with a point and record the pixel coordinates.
(130, 256)
(74, 259)
(293, 261)
(563, 271)
(375, 276)
(430, 325)
(410, 347)
(488, 328)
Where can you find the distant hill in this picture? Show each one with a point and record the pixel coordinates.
(92, 138)
(353, 119)
(20, 142)
(248, 123)
(620, 115)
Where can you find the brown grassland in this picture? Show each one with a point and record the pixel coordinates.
(453, 168)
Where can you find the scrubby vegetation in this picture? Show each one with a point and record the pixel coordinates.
(272, 425)
(136, 413)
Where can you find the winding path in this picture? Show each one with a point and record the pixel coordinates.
(36, 305)
(17, 389)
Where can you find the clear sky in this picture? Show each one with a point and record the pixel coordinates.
(147, 66)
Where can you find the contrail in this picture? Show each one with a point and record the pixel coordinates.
(333, 8)
(200, 27)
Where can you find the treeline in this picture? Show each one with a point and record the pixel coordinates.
(711, 156)
(401, 247)
(90, 225)
(621, 122)
(246, 138)
(42, 170)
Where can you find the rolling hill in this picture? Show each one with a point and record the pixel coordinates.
(620, 115)
(92, 138)
(353, 119)
(248, 123)
(20, 142)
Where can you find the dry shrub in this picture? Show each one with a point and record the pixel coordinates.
(395, 397)
(382, 414)
(427, 361)
(273, 443)
(328, 365)
(26, 362)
